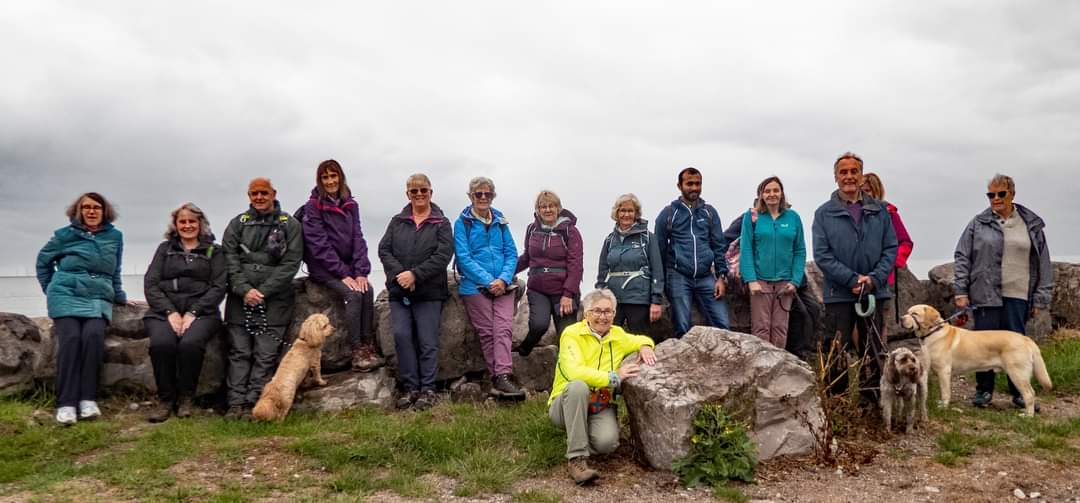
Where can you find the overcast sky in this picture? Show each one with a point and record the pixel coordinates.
(157, 103)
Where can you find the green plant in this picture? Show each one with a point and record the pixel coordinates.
(720, 450)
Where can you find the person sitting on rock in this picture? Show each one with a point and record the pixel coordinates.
(184, 286)
(336, 255)
(263, 249)
(582, 395)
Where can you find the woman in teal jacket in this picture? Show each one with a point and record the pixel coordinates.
(772, 251)
(79, 271)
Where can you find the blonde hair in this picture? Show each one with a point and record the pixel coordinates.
(877, 189)
(417, 177)
(546, 196)
(631, 198)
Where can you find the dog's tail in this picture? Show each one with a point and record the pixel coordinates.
(1039, 366)
(265, 409)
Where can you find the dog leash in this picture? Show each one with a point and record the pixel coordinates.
(958, 314)
(256, 324)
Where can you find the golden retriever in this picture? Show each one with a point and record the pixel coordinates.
(304, 356)
(954, 349)
(904, 384)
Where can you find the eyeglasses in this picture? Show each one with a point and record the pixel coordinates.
(1000, 194)
(259, 193)
(483, 195)
(91, 207)
(421, 190)
(603, 313)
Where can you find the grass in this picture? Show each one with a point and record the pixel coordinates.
(485, 449)
(535, 496)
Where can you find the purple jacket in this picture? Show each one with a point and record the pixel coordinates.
(558, 249)
(334, 245)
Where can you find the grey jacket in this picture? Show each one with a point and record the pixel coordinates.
(978, 261)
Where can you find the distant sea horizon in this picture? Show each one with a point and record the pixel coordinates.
(22, 294)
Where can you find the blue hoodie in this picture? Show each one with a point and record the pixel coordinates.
(691, 239)
(484, 252)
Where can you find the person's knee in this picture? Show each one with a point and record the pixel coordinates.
(577, 389)
(604, 440)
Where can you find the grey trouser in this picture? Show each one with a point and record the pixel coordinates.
(585, 433)
(252, 361)
(416, 342)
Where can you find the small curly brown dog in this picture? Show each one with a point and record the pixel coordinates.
(305, 355)
(904, 386)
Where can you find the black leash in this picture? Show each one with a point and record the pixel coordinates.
(256, 323)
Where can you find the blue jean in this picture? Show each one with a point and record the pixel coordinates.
(681, 290)
(416, 342)
(1011, 315)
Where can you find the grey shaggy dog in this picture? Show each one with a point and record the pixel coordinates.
(904, 386)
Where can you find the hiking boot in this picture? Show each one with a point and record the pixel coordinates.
(503, 386)
(88, 409)
(982, 399)
(407, 399)
(184, 407)
(246, 415)
(366, 359)
(160, 412)
(1019, 403)
(426, 400)
(580, 471)
(66, 415)
(235, 412)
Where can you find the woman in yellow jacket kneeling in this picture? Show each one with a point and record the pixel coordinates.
(589, 372)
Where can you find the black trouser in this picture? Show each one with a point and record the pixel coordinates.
(633, 318)
(416, 342)
(359, 312)
(542, 308)
(1011, 315)
(252, 361)
(79, 355)
(178, 360)
(841, 317)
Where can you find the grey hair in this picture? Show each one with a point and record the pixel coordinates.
(478, 182)
(622, 199)
(592, 297)
(204, 225)
(847, 155)
(417, 177)
(1006, 180)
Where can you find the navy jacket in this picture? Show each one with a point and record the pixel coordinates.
(843, 250)
(691, 239)
(424, 250)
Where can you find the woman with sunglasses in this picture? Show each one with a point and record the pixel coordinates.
(79, 271)
(1003, 271)
(336, 256)
(415, 251)
(486, 260)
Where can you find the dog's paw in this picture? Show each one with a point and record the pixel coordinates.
(321, 382)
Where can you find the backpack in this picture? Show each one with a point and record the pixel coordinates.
(647, 269)
(560, 231)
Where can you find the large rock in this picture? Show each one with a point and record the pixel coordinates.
(768, 387)
(942, 293)
(536, 372)
(347, 390)
(1065, 305)
(24, 349)
(314, 298)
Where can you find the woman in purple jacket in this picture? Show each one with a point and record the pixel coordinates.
(336, 256)
(553, 255)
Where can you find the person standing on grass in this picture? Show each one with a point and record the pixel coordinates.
(772, 260)
(583, 392)
(263, 248)
(855, 248)
(691, 239)
(1003, 270)
(79, 271)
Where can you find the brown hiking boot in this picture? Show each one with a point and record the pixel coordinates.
(183, 407)
(580, 471)
(160, 412)
(366, 359)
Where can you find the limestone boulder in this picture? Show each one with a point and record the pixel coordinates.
(127, 321)
(128, 366)
(767, 387)
(45, 367)
(347, 390)
(23, 350)
(312, 298)
(1065, 305)
(536, 372)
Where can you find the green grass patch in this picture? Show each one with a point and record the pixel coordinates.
(728, 493)
(1062, 357)
(535, 496)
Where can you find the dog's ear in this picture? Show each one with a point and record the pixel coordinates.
(890, 368)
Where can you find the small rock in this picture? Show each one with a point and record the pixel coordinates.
(1019, 493)
(932, 489)
(41, 416)
(251, 458)
(133, 406)
(1003, 474)
(1035, 495)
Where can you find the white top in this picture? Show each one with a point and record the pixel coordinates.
(1015, 265)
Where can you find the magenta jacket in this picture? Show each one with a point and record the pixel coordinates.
(553, 256)
(903, 251)
(334, 245)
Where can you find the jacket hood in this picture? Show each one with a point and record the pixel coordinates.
(496, 215)
(678, 202)
(255, 214)
(82, 228)
(204, 241)
(321, 201)
(1034, 222)
(406, 212)
(869, 203)
(565, 219)
(640, 226)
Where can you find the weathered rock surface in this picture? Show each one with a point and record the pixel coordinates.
(536, 372)
(942, 293)
(346, 390)
(23, 351)
(1065, 305)
(314, 298)
(751, 379)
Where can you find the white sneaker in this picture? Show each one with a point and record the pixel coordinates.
(88, 409)
(65, 415)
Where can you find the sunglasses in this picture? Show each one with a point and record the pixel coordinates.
(1000, 194)
(483, 195)
(259, 193)
(421, 190)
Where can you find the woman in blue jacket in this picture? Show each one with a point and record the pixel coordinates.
(486, 260)
(772, 251)
(79, 271)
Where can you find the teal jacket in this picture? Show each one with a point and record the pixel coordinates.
(79, 271)
(773, 250)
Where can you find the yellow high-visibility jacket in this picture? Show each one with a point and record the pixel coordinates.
(584, 357)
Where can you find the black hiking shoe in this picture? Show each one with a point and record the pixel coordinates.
(503, 387)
